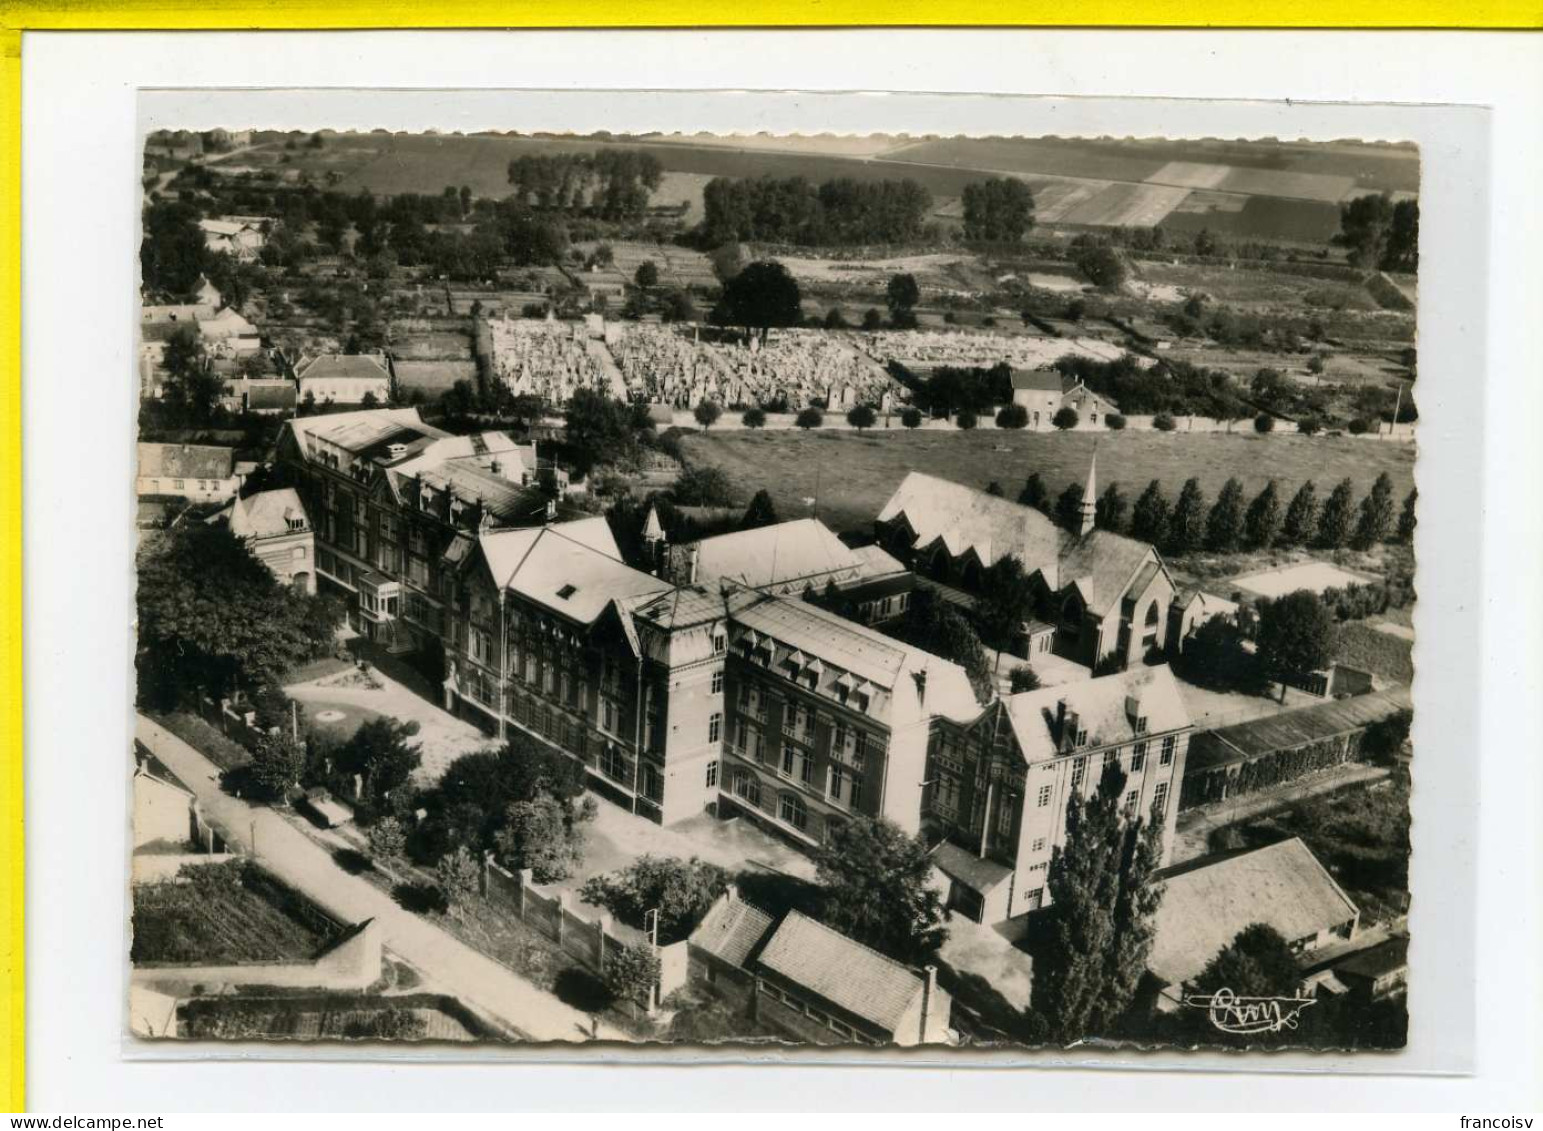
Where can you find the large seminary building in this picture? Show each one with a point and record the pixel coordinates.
(679, 696)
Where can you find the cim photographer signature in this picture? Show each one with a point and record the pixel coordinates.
(1246, 1015)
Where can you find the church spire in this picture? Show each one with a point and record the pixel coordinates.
(1087, 513)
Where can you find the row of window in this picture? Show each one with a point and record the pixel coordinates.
(818, 1016)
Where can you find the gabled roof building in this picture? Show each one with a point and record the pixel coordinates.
(1107, 595)
(999, 783)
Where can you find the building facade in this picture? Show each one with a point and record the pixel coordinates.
(198, 473)
(998, 785)
(276, 528)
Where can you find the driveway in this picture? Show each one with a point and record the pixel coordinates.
(300, 862)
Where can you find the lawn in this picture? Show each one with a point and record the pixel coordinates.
(206, 738)
(224, 913)
(855, 474)
(1362, 646)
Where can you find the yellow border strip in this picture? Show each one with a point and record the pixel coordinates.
(336, 14)
(12, 981)
(17, 16)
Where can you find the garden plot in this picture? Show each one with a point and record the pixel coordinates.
(1312, 576)
(1127, 205)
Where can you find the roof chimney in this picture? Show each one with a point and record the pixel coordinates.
(550, 514)
(693, 554)
(1060, 720)
(921, 686)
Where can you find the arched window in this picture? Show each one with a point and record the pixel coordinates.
(793, 811)
(1152, 615)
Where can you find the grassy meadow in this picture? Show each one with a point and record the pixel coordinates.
(855, 473)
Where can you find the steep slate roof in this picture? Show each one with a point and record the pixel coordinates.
(845, 646)
(1103, 566)
(540, 562)
(964, 517)
(732, 929)
(771, 555)
(1101, 709)
(1206, 904)
(842, 971)
(1037, 380)
(266, 514)
(186, 461)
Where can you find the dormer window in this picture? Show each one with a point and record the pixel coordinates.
(567, 591)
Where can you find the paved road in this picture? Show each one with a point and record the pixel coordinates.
(297, 860)
(1195, 826)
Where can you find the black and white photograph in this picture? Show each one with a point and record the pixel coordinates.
(778, 591)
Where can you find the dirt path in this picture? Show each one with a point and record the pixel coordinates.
(1195, 826)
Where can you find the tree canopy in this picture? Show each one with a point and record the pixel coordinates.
(762, 296)
(681, 891)
(876, 887)
(213, 617)
(1296, 635)
(794, 210)
(998, 210)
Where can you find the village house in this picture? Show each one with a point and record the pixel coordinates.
(1207, 902)
(275, 527)
(997, 785)
(238, 236)
(1045, 392)
(195, 472)
(1193, 608)
(339, 378)
(1107, 596)
(228, 334)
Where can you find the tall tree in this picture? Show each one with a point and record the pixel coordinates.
(937, 626)
(1301, 516)
(1224, 527)
(1113, 510)
(1005, 601)
(213, 617)
(382, 754)
(1068, 507)
(1149, 517)
(1261, 525)
(457, 873)
(1375, 519)
(1257, 963)
(761, 512)
(1099, 927)
(762, 296)
(173, 254)
(998, 210)
(1186, 525)
(545, 835)
(877, 888)
(1034, 493)
(1406, 517)
(1335, 519)
(1296, 636)
(901, 296)
(277, 763)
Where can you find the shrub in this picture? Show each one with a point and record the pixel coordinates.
(1264, 422)
(754, 418)
(1013, 416)
(1066, 418)
(1163, 422)
(1358, 427)
(810, 418)
(707, 413)
(911, 417)
(966, 420)
(1115, 422)
(1309, 426)
(862, 416)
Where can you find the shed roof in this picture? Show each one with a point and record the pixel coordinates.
(732, 929)
(842, 971)
(1206, 903)
(1290, 729)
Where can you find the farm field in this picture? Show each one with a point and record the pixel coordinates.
(857, 473)
(1076, 179)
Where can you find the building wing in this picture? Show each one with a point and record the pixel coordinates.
(844, 972)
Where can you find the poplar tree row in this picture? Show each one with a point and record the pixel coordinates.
(1231, 523)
